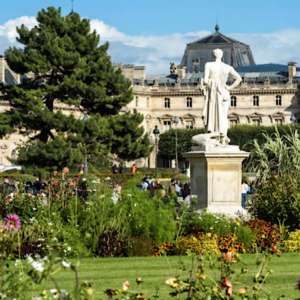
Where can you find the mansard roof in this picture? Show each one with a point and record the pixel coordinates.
(217, 38)
(198, 53)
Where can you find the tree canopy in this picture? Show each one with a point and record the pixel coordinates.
(64, 68)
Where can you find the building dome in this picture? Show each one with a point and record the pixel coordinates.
(198, 53)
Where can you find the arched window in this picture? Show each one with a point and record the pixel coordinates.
(256, 121)
(167, 103)
(255, 100)
(189, 102)
(233, 101)
(278, 100)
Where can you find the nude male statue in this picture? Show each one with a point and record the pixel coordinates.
(217, 98)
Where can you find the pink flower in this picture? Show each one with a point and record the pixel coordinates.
(12, 222)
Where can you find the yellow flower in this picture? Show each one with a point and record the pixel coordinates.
(242, 291)
(172, 282)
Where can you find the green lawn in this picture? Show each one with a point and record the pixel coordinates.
(111, 272)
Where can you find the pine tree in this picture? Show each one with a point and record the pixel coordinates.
(63, 65)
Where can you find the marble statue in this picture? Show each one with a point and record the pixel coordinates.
(217, 96)
(173, 68)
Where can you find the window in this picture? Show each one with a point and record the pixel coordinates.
(189, 102)
(167, 124)
(278, 121)
(256, 122)
(278, 100)
(189, 125)
(233, 101)
(167, 103)
(233, 122)
(136, 101)
(255, 101)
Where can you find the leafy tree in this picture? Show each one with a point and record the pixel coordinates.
(184, 142)
(242, 135)
(63, 66)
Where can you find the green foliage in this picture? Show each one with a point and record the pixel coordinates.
(167, 142)
(201, 284)
(277, 165)
(242, 135)
(63, 64)
(279, 155)
(277, 200)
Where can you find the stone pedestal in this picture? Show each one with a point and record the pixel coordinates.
(216, 178)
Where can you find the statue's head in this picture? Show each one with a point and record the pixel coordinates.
(218, 53)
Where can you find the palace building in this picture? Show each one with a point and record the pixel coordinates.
(268, 94)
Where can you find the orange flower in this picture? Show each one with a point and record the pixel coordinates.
(229, 256)
(226, 283)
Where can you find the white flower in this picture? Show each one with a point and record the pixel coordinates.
(53, 291)
(30, 259)
(66, 264)
(38, 266)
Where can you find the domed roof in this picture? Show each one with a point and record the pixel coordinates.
(198, 53)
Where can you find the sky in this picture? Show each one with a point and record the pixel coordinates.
(155, 32)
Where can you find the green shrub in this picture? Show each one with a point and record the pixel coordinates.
(277, 200)
(277, 165)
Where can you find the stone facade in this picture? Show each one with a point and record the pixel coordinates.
(254, 104)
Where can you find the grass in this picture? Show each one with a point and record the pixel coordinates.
(111, 272)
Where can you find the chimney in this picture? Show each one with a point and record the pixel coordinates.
(181, 72)
(292, 69)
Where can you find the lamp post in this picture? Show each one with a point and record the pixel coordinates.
(156, 133)
(175, 121)
(85, 163)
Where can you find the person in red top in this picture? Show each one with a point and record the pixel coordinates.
(133, 169)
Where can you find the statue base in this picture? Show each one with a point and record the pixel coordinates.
(216, 176)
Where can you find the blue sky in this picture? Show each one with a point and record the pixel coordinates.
(154, 32)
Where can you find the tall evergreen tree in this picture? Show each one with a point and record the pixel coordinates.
(63, 65)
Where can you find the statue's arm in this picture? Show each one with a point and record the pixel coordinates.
(206, 74)
(237, 79)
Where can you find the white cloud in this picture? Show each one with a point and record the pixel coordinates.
(276, 47)
(8, 29)
(156, 51)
